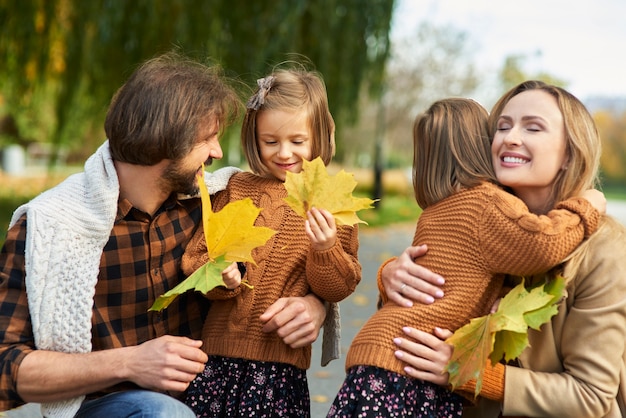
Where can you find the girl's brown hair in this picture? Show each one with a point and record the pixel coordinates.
(157, 113)
(452, 150)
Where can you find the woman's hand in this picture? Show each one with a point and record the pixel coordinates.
(426, 355)
(405, 281)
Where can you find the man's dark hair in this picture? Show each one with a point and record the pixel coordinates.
(156, 114)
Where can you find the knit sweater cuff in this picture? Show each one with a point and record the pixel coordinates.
(493, 384)
(379, 279)
(589, 215)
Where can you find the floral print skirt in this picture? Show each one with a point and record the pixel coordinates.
(374, 392)
(233, 387)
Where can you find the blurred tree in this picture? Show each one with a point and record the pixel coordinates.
(512, 73)
(61, 60)
(612, 128)
(429, 64)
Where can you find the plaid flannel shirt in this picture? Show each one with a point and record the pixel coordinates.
(140, 262)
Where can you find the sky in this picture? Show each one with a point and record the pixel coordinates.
(580, 41)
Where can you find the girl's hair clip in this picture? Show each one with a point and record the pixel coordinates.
(265, 84)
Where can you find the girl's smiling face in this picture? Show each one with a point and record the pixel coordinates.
(529, 147)
(284, 140)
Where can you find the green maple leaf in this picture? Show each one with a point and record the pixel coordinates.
(535, 318)
(206, 278)
(230, 236)
(503, 334)
(314, 187)
(510, 313)
(508, 345)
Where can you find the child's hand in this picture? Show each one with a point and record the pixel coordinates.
(231, 276)
(321, 229)
(597, 199)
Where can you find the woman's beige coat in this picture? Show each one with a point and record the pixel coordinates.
(576, 364)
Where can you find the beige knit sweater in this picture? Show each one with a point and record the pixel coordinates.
(472, 236)
(286, 266)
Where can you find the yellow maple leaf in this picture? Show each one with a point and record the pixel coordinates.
(503, 334)
(230, 236)
(314, 187)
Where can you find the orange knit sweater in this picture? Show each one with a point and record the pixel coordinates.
(472, 237)
(286, 266)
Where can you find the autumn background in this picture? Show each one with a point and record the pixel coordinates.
(62, 60)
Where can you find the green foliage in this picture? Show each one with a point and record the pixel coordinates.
(512, 73)
(392, 208)
(203, 280)
(503, 334)
(68, 57)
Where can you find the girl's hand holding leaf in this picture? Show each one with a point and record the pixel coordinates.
(313, 187)
(230, 236)
(321, 229)
(231, 276)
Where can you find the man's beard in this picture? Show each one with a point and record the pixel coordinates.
(178, 179)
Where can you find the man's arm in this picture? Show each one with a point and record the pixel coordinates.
(166, 364)
(297, 320)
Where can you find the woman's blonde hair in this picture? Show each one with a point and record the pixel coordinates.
(452, 149)
(290, 89)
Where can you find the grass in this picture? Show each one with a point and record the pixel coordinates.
(393, 208)
(615, 193)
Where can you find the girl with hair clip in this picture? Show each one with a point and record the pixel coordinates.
(475, 232)
(546, 148)
(251, 372)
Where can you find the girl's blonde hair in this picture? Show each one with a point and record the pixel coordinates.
(290, 89)
(452, 150)
(583, 147)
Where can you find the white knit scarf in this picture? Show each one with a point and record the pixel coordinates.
(67, 229)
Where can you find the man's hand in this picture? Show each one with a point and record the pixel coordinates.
(166, 363)
(297, 320)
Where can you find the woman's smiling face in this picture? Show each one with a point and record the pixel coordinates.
(529, 147)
